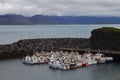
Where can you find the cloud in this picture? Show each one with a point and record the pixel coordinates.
(61, 7)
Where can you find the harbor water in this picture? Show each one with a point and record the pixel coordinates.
(16, 70)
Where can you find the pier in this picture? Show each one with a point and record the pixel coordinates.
(91, 50)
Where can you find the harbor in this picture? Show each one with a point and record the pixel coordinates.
(59, 40)
(67, 60)
(29, 42)
(114, 54)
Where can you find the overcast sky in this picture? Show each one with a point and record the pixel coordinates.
(61, 7)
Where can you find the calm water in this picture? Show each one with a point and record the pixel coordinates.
(15, 70)
(13, 33)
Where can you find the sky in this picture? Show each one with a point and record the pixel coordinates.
(61, 7)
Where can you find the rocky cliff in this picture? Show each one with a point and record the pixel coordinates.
(106, 38)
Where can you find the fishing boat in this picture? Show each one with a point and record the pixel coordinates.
(28, 60)
(58, 65)
(35, 60)
(84, 64)
(109, 59)
(41, 60)
(67, 60)
(102, 59)
(73, 65)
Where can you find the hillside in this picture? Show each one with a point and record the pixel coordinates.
(13, 19)
(106, 38)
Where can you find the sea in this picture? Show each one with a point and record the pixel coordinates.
(13, 33)
(15, 69)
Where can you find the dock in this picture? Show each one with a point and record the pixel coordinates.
(114, 54)
(91, 50)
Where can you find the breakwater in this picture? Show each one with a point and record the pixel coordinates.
(29, 46)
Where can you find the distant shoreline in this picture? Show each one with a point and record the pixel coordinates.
(15, 19)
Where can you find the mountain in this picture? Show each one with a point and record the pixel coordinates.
(13, 19)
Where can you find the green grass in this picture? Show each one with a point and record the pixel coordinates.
(108, 29)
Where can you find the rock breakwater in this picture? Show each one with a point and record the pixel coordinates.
(29, 46)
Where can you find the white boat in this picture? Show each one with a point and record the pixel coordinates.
(65, 60)
(100, 58)
(34, 60)
(94, 61)
(109, 59)
(28, 60)
(89, 59)
(57, 64)
(79, 64)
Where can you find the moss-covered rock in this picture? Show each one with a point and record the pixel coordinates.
(107, 38)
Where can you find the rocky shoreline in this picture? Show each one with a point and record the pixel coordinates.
(29, 46)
